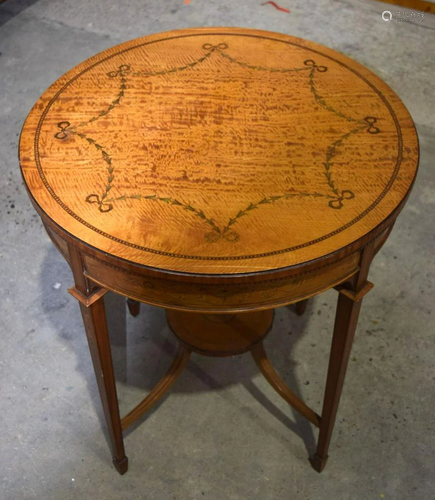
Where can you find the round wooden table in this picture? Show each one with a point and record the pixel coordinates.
(219, 173)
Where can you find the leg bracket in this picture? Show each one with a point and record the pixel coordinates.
(355, 296)
(87, 300)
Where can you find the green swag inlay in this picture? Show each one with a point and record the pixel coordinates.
(105, 204)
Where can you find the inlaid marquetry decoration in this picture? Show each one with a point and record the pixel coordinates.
(203, 149)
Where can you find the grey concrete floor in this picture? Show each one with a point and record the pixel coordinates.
(222, 433)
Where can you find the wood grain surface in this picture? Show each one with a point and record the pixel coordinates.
(219, 151)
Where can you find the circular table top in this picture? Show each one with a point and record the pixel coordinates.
(219, 151)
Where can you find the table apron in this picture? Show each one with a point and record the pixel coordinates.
(223, 298)
(196, 295)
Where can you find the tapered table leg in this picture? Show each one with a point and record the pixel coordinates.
(133, 307)
(344, 331)
(301, 306)
(94, 319)
(348, 307)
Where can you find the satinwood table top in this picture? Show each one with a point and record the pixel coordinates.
(219, 151)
